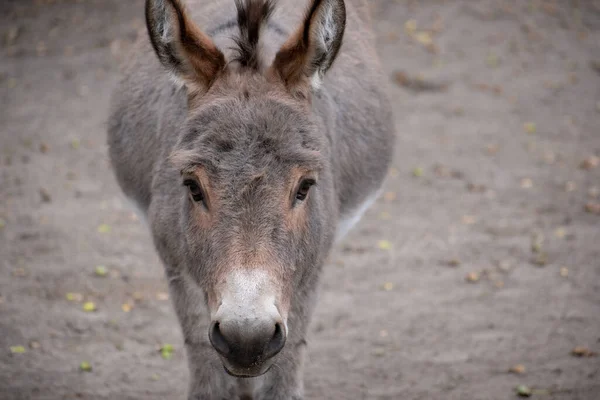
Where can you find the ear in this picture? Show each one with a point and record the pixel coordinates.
(188, 53)
(307, 55)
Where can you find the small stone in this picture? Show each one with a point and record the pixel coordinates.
(570, 186)
(44, 148)
(541, 259)
(454, 263)
(379, 352)
(472, 277)
(590, 163)
(518, 369)
(163, 296)
(582, 351)
(34, 345)
(592, 208)
(564, 272)
(389, 196)
(594, 192)
(469, 219)
(155, 377)
(75, 144)
(388, 286)
(526, 183)
(45, 196)
(560, 232)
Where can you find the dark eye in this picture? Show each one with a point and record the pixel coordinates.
(194, 189)
(303, 189)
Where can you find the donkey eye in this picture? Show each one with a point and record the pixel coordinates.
(194, 189)
(305, 186)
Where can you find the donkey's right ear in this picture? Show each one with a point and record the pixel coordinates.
(188, 53)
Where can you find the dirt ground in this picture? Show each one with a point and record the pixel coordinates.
(480, 256)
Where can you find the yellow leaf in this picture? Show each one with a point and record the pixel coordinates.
(384, 244)
(17, 349)
(89, 306)
(104, 228)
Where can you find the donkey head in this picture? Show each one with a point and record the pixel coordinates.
(257, 205)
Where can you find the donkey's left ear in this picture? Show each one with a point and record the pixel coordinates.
(307, 55)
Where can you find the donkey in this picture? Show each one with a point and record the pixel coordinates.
(249, 153)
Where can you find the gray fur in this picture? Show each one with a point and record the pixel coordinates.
(248, 138)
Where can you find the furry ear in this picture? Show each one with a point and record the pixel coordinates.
(307, 55)
(188, 53)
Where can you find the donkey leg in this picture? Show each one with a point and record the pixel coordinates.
(208, 380)
(285, 379)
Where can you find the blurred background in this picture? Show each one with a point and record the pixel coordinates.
(478, 269)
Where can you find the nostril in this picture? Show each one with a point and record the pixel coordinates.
(217, 339)
(277, 341)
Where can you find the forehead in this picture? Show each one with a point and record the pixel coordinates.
(243, 136)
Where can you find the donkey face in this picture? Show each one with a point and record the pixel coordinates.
(256, 190)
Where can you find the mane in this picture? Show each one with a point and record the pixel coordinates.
(252, 15)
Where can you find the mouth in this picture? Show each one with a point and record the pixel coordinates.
(250, 372)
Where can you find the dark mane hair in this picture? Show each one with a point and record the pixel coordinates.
(252, 15)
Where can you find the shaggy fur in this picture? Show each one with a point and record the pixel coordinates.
(249, 136)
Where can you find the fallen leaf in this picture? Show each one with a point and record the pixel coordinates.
(387, 286)
(564, 272)
(17, 349)
(530, 127)
(74, 296)
(155, 377)
(75, 144)
(104, 228)
(89, 306)
(472, 277)
(560, 232)
(126, 307)
(166, 351)
(410, 26)
(523, 391)
(384, 244)
(85, 366)
(101, 271)
(492, 60)
(2, 223)
(541, 259)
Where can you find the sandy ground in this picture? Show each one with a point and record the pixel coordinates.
(497, 105)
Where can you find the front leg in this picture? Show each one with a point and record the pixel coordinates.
(284, 381)
(208, 379)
